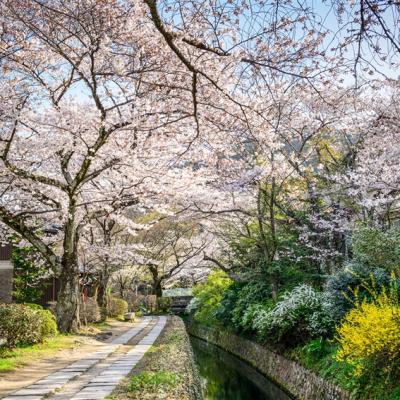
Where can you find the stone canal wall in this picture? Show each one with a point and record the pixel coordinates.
(299, 382)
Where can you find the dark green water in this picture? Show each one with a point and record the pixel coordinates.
(225, 377)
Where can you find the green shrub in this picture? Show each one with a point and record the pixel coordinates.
(164, 304)
(208, 296)
(341, 287)
(116, 307)
(48, 320)
(377, 248)
(318, 356)
(240, 301)
(300, 315)
(20, 324)
(49, 324)
(34, 306)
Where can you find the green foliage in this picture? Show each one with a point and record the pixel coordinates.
(364, 357)
(239, 301)
(28, 275)
(341, 287)
(34, 306)
(308, 312)
(116, 307)
(301, 314)
(376, 248)
(103, 313)
(164, 304)
(318, 355)
(139, 313)
(48, 320)
(208, 297)
(49, 324)
(19, 324)
(149, 380)
(293, 266)
(24, 325)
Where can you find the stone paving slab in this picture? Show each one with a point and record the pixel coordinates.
(102, 385)
(39, 391)
(23, 398)
(42, 388)
(98, 393)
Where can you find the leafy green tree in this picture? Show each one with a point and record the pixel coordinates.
(29, 275)
(377, 248)
(208, 296)
(267, 247)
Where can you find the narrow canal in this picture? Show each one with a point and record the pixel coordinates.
(226, 377)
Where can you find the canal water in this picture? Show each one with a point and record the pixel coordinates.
(226, 377)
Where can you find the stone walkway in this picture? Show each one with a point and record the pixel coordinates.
(95, 377)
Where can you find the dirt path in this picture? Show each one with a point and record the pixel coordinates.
(35, 370)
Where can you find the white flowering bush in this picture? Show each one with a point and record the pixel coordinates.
(300, 314)
(247, 321)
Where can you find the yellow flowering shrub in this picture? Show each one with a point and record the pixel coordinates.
(369, 337)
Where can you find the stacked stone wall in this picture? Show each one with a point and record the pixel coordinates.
(290, 376)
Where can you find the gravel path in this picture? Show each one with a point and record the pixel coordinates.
(95, 376)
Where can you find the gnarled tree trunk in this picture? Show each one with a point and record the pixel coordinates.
(69, 292)
(68, 300)
(102, 299)
(102, 288)
(157, 288)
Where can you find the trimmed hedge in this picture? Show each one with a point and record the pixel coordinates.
(25, 324)
(116, 307)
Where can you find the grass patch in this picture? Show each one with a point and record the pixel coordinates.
(102, 325)
(149, 380)
(175, 337)
(22, 355)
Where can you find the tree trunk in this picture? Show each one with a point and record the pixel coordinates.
(102, 289)
(69, 292)
(157, 288)
(274, 289)
(68, 299)
(101, 295)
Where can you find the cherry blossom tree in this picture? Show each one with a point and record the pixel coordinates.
(105, 95)
(170, 249)
(110, 105)
(371, 178)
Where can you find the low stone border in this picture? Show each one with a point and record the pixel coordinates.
(292, 377)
